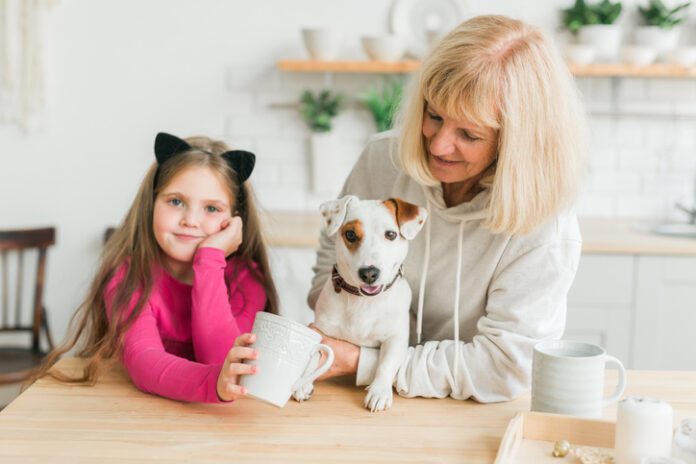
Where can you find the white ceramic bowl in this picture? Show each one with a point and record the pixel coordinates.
(638, 55)
(321, 43)
(384, 47)
(580, 54)
(683, 56)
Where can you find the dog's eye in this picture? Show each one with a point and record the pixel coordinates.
(390, 235)
(351, 237)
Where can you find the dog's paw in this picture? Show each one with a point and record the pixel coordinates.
(303, 393)
(379, 397)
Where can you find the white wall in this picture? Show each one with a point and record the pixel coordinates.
(118, 72)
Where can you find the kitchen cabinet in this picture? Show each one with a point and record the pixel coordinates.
(600, 303)
(641, 308)
(665, 313)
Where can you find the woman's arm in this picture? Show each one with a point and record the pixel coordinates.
(526, 304)
(218, 314)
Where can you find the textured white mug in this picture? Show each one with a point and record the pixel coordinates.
(568, 378)
(285, 349)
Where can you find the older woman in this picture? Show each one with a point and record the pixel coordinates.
(491, 142)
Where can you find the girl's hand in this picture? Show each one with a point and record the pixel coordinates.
(346, 356)
(228, 238)
(228, 387)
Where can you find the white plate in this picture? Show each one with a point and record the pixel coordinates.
(421, 21)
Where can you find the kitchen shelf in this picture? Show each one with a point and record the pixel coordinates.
(355, 66)
(407, 66)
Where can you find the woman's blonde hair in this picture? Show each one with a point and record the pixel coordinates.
(503, 74)
(99, 337)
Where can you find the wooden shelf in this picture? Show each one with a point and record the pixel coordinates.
(404, 67)
(624, 70)
(377, 67)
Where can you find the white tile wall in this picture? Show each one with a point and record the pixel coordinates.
(643, 139)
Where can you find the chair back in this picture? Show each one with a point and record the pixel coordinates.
(15, 246)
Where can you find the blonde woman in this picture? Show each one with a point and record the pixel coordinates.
(492, 142)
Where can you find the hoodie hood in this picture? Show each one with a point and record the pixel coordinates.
(475, 209)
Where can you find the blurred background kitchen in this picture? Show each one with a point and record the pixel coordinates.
(86, 84)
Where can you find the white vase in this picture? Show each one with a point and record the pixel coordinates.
(322, 160)
(604, 38)
(663, 40)
(322, 44)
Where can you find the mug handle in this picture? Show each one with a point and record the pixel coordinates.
(312, 376)
(622, 381)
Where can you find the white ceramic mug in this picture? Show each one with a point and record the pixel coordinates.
(285, 349)
(568, 378)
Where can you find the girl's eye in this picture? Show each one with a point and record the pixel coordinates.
(390, 235)
(175, 202)
(351, 237)
(211, 209)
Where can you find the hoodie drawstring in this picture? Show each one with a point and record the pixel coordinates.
(458, 285)
(424, 275)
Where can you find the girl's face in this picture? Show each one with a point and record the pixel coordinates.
(457, 150)
(187, 210)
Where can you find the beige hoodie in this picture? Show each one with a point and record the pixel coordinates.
(485, 299)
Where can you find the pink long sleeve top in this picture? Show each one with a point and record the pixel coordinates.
(177, 345)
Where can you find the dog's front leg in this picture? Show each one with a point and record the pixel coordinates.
(380, 394)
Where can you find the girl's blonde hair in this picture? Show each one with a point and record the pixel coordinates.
(503, 74)
(134, 243)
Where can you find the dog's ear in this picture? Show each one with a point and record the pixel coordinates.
(409, 217)
(334, 213)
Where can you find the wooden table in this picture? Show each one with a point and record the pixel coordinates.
(115, 422)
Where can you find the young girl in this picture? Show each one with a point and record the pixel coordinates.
(179, 285)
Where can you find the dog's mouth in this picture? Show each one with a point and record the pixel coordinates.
(370, 289)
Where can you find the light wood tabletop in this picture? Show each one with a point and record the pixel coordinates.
(115, 422)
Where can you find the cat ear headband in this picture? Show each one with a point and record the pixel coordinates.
(167, 146)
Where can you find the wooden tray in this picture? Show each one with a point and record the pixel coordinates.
(530, 436)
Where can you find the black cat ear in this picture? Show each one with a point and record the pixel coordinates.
(242, 162)
(167, 145)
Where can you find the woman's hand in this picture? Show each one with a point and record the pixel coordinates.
(228, 238)
(228, 387)
(346, 356)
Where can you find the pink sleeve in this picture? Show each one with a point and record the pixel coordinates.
(152, 369)
(218, 314)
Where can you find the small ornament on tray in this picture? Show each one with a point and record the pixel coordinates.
(589, 455)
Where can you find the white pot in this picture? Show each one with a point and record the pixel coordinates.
(663, 40)
(604, 38)
(322, 44)
(384, 47)
(638, 55)
(322, 160)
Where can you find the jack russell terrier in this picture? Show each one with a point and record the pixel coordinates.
(366, 301)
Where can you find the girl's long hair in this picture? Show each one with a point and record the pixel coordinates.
(94, 334)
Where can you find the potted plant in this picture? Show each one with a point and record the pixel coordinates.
(318, 111)
(660, 26)
(594, 26)
(383, 103)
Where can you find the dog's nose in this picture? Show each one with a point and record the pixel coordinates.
(368, 274)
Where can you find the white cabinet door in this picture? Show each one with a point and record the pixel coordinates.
(292, 274)
(665, 329)
(599, 303)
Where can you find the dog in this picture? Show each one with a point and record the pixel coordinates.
(366, 301)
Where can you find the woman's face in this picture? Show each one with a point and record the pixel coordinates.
(457, 150)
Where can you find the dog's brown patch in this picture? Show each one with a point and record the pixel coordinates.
(402, 211)
(355, 227)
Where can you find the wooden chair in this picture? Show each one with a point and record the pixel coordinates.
(17, 360)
